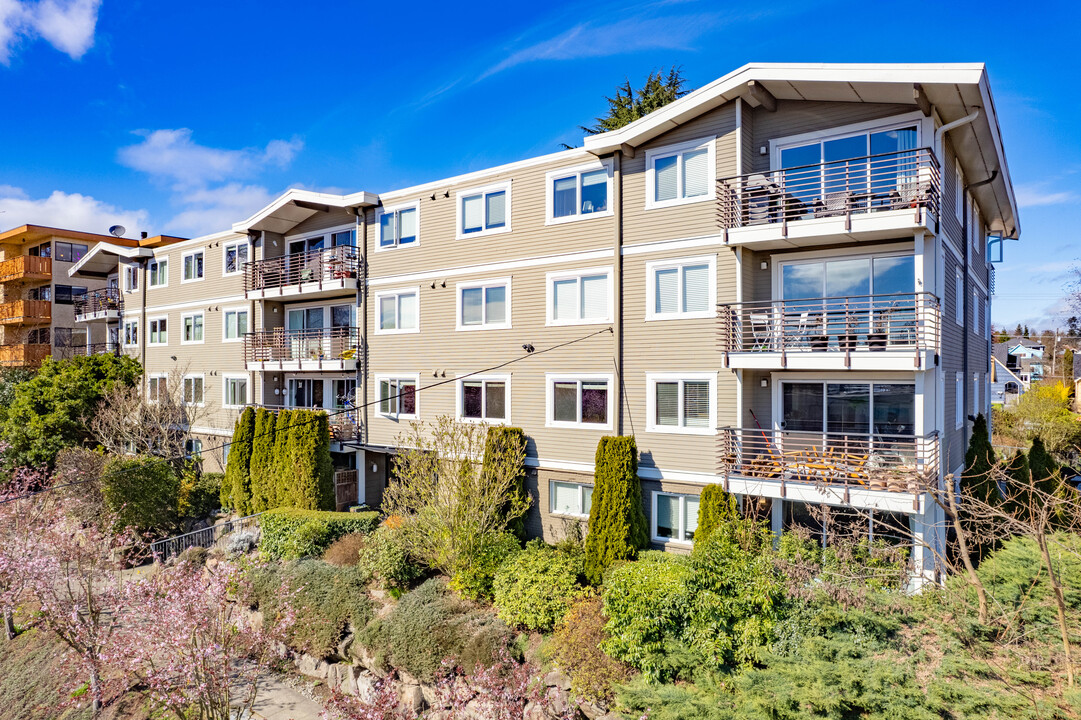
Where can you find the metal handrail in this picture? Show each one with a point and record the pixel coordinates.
(101, 300)
(907, 179)
(315, 266)
(334, 343)
(164, 549)
(343, 421)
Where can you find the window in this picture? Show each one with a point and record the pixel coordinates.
(398, 397)
(70, 252)
(347, 238)
(156, 388)
(959, 400)
(193, 448)
(345, 392)
(399, 226)
(583, 401)
(193, 389)
(38, 336)
(849, 409)
(193, 267)
(41, 293)
(566, 498)
(987, 318)
(131, 333)
(192, 328)
(159, 331)
(236, 254)
(580, 297)
(484, 211)
(235, 325)
(958, 191)
(975, 329)
(681, 403)
(959, 296)
(681, 288)
(398, 312)
(680, 173)
(305, 393)
(236, 391)
(44, 250)
(579, 193)
(159, 272)
(976, 394)
(131, 277)
(66, 294)
(484, 306)
(675, 517)
(485, 399)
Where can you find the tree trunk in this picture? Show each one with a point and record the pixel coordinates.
(970, 569)
(9, 624)
(1060, 606)
(95, 690)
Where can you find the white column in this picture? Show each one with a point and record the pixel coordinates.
(362, 473)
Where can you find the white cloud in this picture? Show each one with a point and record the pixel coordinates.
(67, 25)
(1036, 195)
(71, 211)
(210, 210)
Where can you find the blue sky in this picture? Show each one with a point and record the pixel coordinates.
(184, 118)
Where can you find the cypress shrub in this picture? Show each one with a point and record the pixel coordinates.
(976, 480)
(1044, 469)
(499, 439)
(236, 488)
(262, 459)
(311, 473)
(715, 508)
(617, 525)
(143, 492)
(280, 490)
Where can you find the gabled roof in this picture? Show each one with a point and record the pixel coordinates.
(1008, 371)
(105, 257)
(953, 90)
(295, 206)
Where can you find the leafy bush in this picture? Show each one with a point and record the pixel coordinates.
(199, 493)
(345, 551)
(534, 588)
(475, 580)
(196, 555)
(386, 559)
(617, 525)
(143, 493)
(715, 507)
(327, 600)
(289, 533)
(576, 649)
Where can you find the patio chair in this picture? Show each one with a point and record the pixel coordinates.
(761, 330)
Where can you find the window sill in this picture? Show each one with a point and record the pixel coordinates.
(679, 202)
(399, 246)
(414, 331)
(156, 345)
(193, 342)
(569, 323)
(480, 328)
(669, 542)
(607, 427)
(395, 418)
(483, 421)
(193, 280)
(577, 218)
(697, 315)
(669, 430)
(572, 516)
(481, 233)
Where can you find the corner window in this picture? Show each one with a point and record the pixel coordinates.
(484, 211)
(131, 333)
(159, 273)
(579, 298)
(235, 325)
(484, 306)
(236, 392)
(193, 267)
(580, 192)
(675, 517)
(583, 401)
(566, 498)
(193, 389)
(681, 289)
(192, 328)
(681, 403)
(158, 329)
(398, 226)
(236, 254)
(486, 399)
(398, 397)
(398, 312)
(681, 174)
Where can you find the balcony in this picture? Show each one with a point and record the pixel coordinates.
(344, 423)
(332, 349)
(103, 304)
(847, 462)
(869, 332)
(26, 312)
(94, 349)
(865, 198)
(24, 355)
(26, 267)
(314, 274)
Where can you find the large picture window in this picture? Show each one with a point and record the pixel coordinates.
(854, 410)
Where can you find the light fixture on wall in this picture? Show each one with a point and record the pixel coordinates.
(765, 265)
(375, 468)
(765, 382)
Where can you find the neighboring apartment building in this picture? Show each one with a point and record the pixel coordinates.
(778, 283)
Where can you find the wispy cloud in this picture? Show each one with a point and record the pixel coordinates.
(71, 211)
(67, 25)
(1038, 195)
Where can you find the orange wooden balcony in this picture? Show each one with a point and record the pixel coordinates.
(26, 312)
(26, 267)
(24, 355)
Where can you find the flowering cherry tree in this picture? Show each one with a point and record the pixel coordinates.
(21, 516)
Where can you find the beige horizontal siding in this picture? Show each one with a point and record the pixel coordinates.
(323, 221)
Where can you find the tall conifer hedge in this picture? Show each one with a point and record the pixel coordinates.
(715, 508)
(617, 525)
(262, 460)
(279, 493)
(236, 486)
(501, 438)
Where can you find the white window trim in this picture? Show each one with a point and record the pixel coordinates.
(124, 333)
(225, 323)
(549, 296)
(184, 392)
(460, 195)
(225, 389)
(494, 282)
(482, 378)
(581, 498)
(651, 402)
(958, 191)
(395, 292)
(185, 316)
(710, 144)
(682, 518)
(959, 400)
(549, 193)
(651, 288)
(224, 249)
(149, 274)
(959, 296)
(379, 213)
(550, 379)
(415, 377)
(155, 376)
(167, 323)
(184, 257)
(923, 129)
(131, 271)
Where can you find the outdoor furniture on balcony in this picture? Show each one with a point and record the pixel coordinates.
(102, 304)
(316, 349)
(309, 272)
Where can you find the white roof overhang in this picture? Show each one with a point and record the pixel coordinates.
(296, 206)
(104, 259)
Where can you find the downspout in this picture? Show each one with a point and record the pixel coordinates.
(617, 324)
(362, 319)
(964, 285)
(142, 313)
(259, 242)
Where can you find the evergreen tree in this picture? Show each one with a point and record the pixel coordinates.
(311, 472)
(629, 104)
(715, 508)
(236, 486)
(262, 461)
(617, 525)
(1018, 331)
(501, 441)
(976, 480)
(280, 487)
(1044, 469)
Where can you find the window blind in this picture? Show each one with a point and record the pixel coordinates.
(472, 213)
(565, 498)
(695, 173)
(565, 300)
(497, 209)
(668, 403)
(696, 288)
(667, 516)
(690, 519)
(587, 499)
(407, 311)
(495, 305)
(665, 177)
(667, 290)
(696, 404)
(407, 231)
(594, 297)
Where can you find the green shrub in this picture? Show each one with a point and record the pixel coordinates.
(345, 551)
(289, 533)
(715, 507)
(386, 559)
(279, 493)
(534, 588)
(261, 468)
(475, 581)
(503, 441)
(199, 494)
(143, 492)
(576, 649)
(617, 525)
(236, 492)
(306, 469)
(327, 600)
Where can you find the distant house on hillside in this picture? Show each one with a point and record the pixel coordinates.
(1031, 351)
(1010, 375)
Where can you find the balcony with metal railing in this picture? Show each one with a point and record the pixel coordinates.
(26, 267)
(325, 349)
(863, 198)
(344, 422)
(103, 304)
(868, 332)
(316, 273)
(26, 312)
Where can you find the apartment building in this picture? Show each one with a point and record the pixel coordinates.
(778, 283)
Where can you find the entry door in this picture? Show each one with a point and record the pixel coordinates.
(342, 318)
(303, 324)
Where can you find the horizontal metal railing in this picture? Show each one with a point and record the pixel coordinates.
(337, 343)
(904, 321)
(909, 179)
(26, 311)
(164, 549)
(95, 349)
(98, 301)
(880, 461)
(314, 266)
(344, 422)
(26, 267)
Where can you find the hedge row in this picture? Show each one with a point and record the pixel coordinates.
(289, 533)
